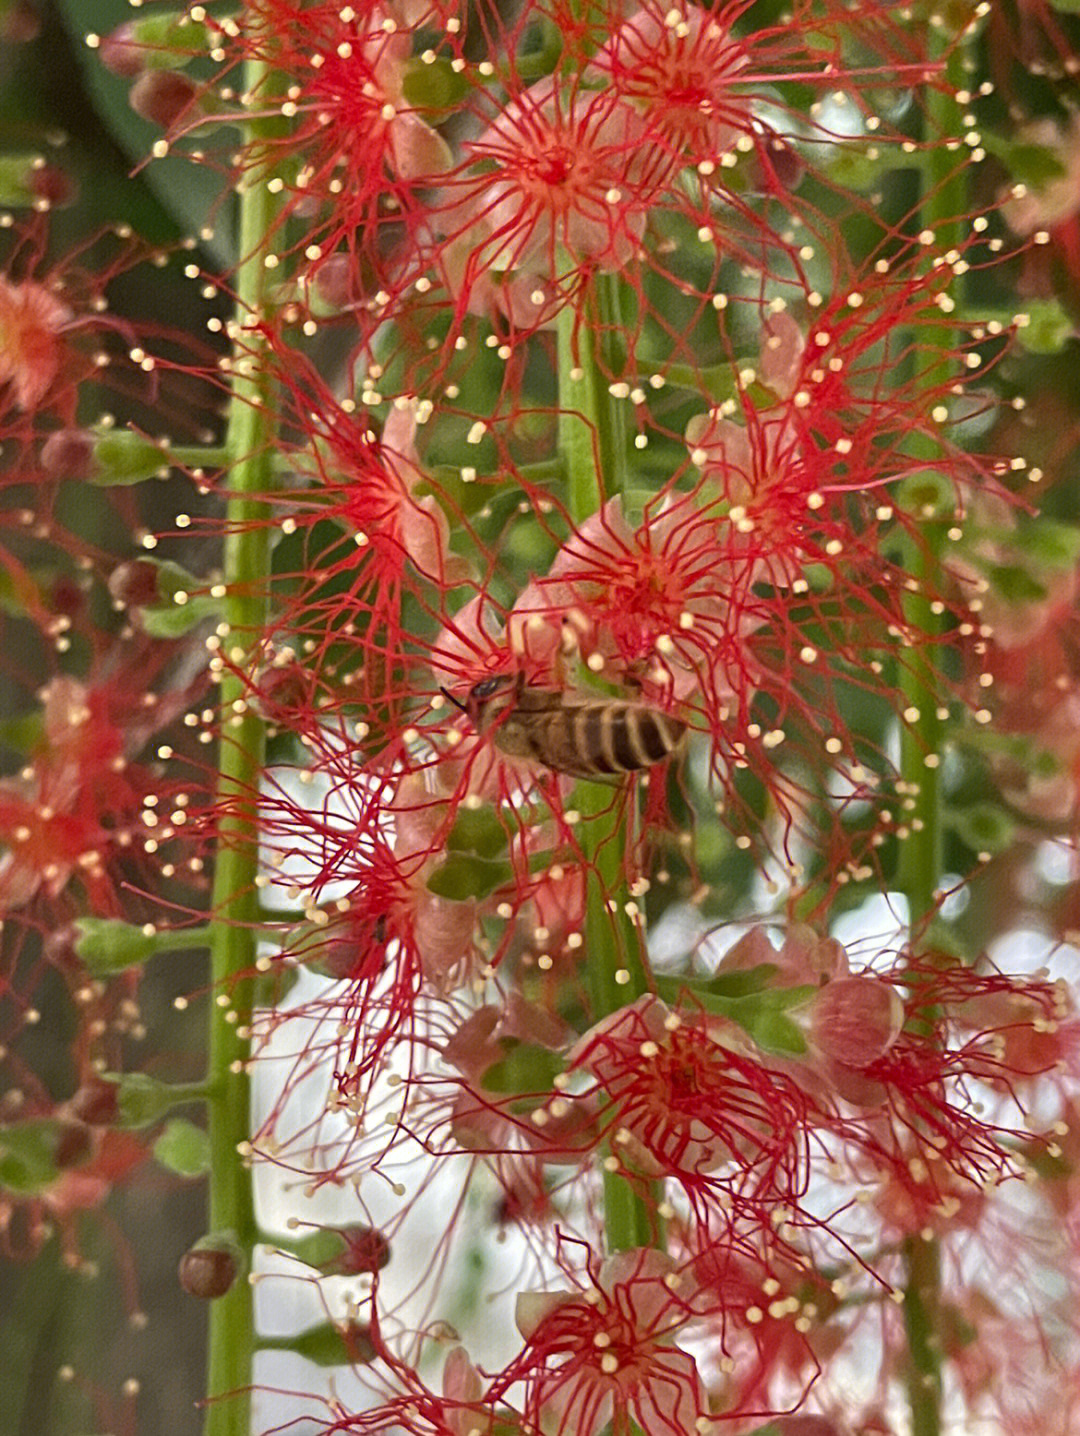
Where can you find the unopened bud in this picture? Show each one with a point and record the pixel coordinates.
(73, 1145)
(163, 96)
(69, 454)
(96, 1102)
(134, 584)
(365, 1250)
(121, 53)
(211, 1266)
(855, 1020)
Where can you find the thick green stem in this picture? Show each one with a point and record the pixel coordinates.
(592, 443)
(944, 202)
(249, 444)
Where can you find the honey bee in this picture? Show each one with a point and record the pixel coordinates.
(569, 732)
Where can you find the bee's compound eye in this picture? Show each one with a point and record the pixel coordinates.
(488, 686)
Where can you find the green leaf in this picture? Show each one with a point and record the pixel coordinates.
(1066, 7)
(171, 38)
(183, 1148)
(106, 945)
(174, 622)
(16, 180)
(27, 1156)
(461, 878)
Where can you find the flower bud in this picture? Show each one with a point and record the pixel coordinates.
(855, 1020)
(96, 1102)
(69, 454)
(211, 1266)
(121, 53)
(73, 1145)
(134, 584)
(163, 96)
(365, 1250)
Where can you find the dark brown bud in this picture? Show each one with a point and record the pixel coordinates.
(209, 1269)
(163, 96)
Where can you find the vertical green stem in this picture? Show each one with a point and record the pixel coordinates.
(592, 443)
(943, 205)
(235, 898)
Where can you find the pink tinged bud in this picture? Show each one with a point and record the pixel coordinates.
(96, 1103)
(163, 97)
(855, 1020)
(121, 53)
(51, 186)
(69, 454)
(134, 584)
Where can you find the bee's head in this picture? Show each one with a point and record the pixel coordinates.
(490, 699)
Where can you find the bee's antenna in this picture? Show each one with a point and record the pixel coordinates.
(455, 701)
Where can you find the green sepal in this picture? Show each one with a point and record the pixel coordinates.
(433, 87)
(143, 1100)
(122, 457)
(183, 1148)
(1049, 327)
(328, 1344)
(744, 982)
(106, 946)
(16, 176)
(984, 827)
(314, 1249)
(760, 1014)
(477, 830)
(926, 495)
(1031, 164)
(461, 878)
(525, 1068)
(172, 619)
(170, 40)
(28, 1156)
